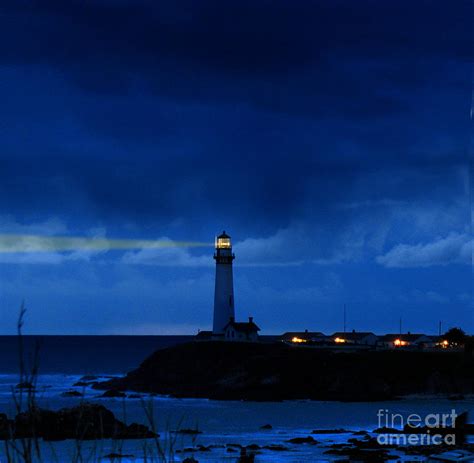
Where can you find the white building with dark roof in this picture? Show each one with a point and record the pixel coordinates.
(302, 336)
(241, 331)
(364, 338)
(393, 341)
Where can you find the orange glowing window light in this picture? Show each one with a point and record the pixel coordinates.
(400, 342)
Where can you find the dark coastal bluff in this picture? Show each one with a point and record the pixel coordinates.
(276, 371)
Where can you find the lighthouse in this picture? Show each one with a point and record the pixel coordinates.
(224, 286)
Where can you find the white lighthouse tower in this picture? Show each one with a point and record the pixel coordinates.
(224, 289)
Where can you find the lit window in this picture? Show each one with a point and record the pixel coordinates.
(298, 340)
(339, 340)
(400, 342)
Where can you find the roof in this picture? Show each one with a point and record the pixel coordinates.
(244, 327)
(404, 337)
(204, 334)
(302, 334)
(223, 235)
(352, 335)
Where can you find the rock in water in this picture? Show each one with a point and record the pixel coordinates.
(187, 431)
(72, 394)
(112, 393)
(86, 422)
(115, 456)
(302, 440)
(246, 457)
(25, 385)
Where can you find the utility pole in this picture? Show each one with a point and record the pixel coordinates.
(344, 318)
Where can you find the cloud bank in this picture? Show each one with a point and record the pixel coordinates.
(456, 248)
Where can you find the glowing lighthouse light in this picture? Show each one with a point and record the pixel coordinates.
(223, 242)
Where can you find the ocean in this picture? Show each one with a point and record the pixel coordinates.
(65, 359)
(84, 354)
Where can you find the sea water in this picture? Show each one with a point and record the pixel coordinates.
(221, 422)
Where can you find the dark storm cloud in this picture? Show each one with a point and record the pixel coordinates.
(244, 51)
(256, 106)
(245, 35)
(313, 59)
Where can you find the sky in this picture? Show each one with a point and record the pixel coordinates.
(330, 139)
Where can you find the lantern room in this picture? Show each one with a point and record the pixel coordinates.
(223, 241)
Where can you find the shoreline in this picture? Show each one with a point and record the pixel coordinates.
(44, 386)
(292, 424)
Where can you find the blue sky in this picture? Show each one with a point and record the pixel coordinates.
(330, 139)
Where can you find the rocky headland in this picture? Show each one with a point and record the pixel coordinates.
(273, 372)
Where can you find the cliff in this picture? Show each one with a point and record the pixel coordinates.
(233, 371)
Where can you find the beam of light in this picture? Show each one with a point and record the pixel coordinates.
(10, 243)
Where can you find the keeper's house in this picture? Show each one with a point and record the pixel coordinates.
(241, 331)
(303, 336)
(397, 341)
